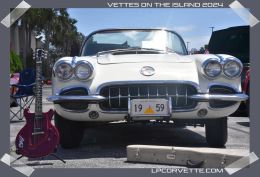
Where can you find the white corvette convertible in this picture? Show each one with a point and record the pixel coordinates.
(142, 75)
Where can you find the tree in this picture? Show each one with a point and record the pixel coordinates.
(15, 63)
(202, 50)
(59, 32)
(29, 22)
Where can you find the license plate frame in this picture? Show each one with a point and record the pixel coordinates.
(150, 107)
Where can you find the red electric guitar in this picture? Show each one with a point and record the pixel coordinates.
(38, 137)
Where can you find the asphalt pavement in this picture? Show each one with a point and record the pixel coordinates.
(104, 146)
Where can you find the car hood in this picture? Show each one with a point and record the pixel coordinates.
(165, 71)
(142, 58)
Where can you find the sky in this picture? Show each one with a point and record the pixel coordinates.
(191, 23)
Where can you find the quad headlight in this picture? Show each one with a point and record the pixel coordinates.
(83, 70)
(232, 68)
(212, 68)
(64, 71)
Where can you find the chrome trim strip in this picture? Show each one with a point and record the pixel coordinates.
(58, 98)
(220, 97)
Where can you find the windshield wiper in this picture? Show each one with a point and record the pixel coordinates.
(130, 49)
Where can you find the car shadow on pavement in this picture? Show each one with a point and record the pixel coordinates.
(111, 140)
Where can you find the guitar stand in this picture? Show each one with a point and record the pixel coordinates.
(52, 154)
(18, 158)
(57, 157)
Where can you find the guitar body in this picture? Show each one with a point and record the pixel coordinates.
(34, 145)
(38, 137)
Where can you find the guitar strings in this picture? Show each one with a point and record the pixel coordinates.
(38, 107)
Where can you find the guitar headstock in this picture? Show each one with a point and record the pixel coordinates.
(39, 54)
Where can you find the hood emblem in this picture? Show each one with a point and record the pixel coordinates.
(147, 71)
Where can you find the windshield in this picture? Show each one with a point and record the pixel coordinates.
(129, 39)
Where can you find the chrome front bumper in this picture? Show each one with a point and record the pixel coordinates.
(198, 97)
(89, 98)
(219, 97)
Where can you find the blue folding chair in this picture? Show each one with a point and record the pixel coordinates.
(25, 94)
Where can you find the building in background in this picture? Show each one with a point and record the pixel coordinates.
(18, 40)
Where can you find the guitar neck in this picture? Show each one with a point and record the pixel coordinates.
(38, 94)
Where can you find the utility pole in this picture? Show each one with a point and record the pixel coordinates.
(212, 28)
(188, 46)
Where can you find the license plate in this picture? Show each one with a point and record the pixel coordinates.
(149, 107)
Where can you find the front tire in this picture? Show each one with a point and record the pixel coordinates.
(71, 132)
(216, 132)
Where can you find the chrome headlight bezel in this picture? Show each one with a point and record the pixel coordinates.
(57, 71)
(206, 64)
(239, 65)
(84, 64)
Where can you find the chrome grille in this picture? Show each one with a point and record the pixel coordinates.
(117, 95)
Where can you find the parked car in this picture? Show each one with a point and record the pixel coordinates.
(144, 74)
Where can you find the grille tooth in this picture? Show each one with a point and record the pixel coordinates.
(118, 95)
(177, 95)
(148, 92)
(186, 96)
(109, 97)
(153, 91)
